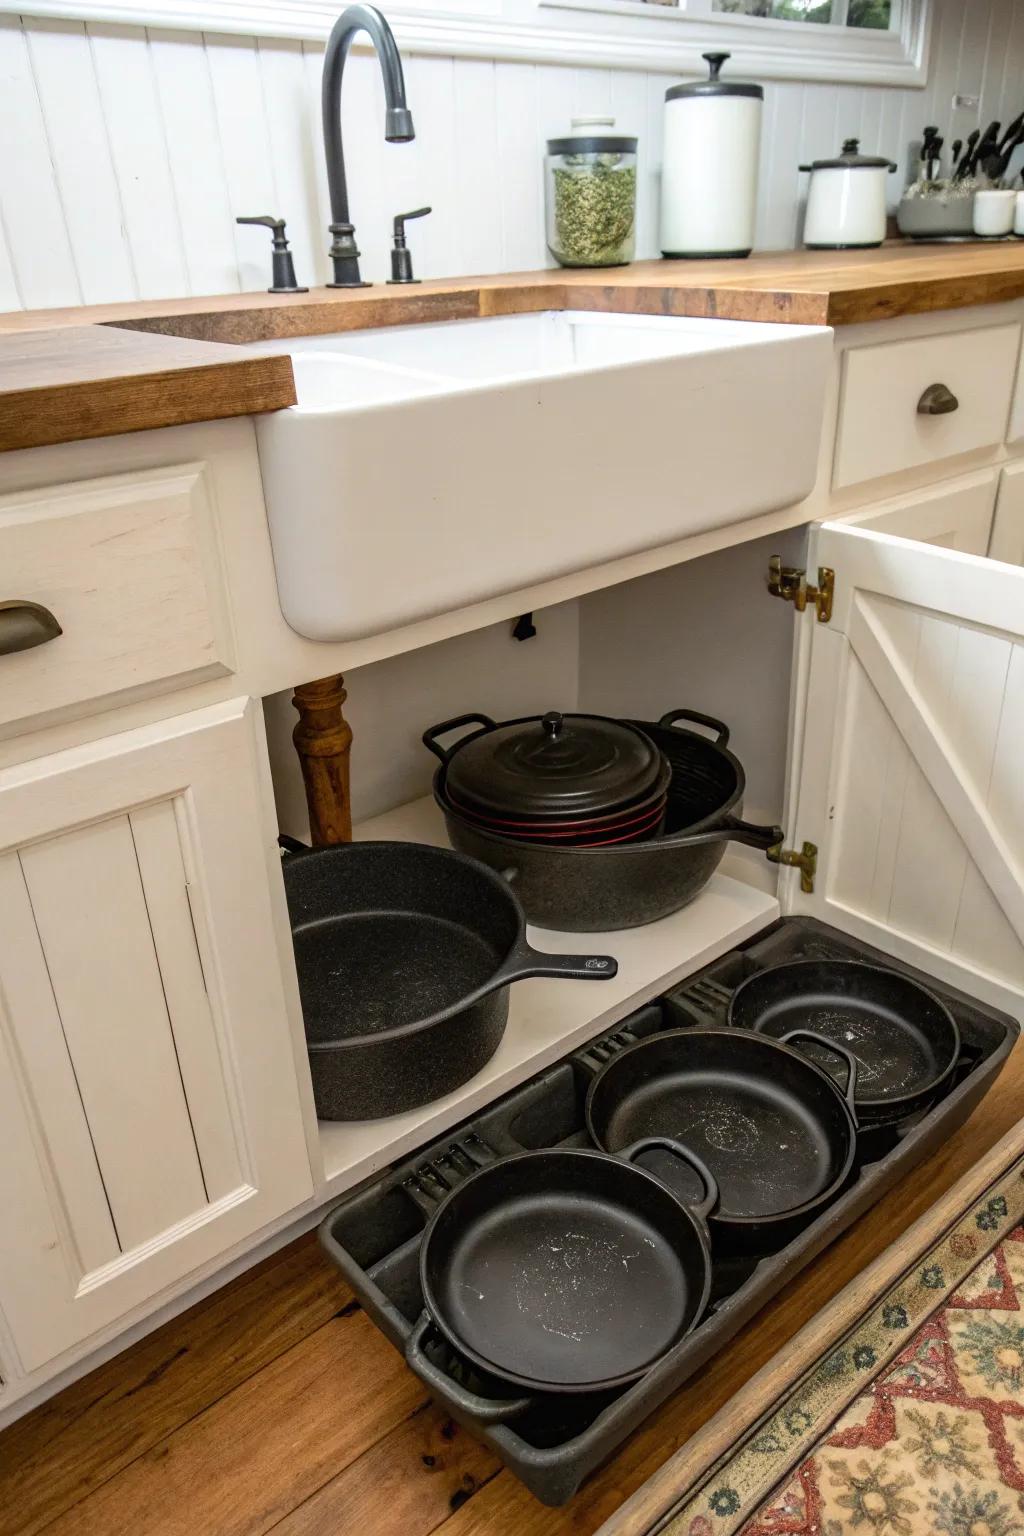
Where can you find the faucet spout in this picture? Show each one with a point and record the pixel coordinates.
(398, 126)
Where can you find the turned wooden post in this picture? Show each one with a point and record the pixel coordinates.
(323, 740)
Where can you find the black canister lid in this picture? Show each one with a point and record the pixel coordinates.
(552, 765)
(851, 159)
(713, 86)
(604, 145)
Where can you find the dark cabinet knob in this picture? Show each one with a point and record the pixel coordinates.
(937, 400)
(24, 625)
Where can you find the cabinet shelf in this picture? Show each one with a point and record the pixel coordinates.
(546, 1018)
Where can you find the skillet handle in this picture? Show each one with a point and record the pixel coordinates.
(525, 961)
(852, 1064)
(753, 835)
(486, 1410)
(710, 1197)
(430, 736)
(718, 726)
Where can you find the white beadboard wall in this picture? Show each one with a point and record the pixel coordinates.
(125, 153)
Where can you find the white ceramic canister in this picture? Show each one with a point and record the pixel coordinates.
(846, 204)
(709, 171)
(993, 212)
(1018, 214)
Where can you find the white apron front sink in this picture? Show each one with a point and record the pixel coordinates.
(429, 467)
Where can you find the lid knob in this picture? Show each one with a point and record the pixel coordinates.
(851, 146)
(715, 62)
(552, 723)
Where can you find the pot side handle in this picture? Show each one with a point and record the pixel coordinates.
(459, 1399)
(290, 846)
(710, 1197)
(430, 735)
(718, 726)
(852, 1064)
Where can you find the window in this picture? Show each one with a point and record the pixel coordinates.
(878, 14)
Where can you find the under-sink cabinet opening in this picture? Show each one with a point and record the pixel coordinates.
(893, 680)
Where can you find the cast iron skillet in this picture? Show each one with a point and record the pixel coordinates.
(589, 890)
(404, 956)
(773, 1128)
(565, 1271)
(905, 1040)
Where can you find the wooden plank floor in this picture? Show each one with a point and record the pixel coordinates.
(275, 1405)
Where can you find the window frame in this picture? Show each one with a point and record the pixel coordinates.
(614, 34)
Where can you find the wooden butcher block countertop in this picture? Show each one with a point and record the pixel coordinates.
(92, 372)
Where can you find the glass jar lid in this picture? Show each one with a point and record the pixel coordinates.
(713, 86)
(552, 765)
(591, 136)
(851, 159)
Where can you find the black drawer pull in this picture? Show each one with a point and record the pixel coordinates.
(24, 625)
(937, 400)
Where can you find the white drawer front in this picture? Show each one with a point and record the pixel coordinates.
(881, 430)
(129, 567)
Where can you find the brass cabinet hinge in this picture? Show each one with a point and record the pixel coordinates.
(806, 861)
(790, 583)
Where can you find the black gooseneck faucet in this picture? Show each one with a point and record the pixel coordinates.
(398, 128)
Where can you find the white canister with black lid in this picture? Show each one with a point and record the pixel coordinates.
(709, 171)
(846, 200)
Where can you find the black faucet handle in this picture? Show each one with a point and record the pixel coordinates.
(401, 256)
(400, 218)
(283, 267)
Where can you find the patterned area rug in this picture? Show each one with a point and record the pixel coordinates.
(914, 1423)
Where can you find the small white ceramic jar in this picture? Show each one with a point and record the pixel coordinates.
(709, 170)
(993, 212)
(846, 201)
(1018, 214)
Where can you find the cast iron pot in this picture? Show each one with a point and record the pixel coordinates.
(589, 890)
(565, 1271)
(404, 956)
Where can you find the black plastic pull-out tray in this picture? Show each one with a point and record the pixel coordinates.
(374, 1236)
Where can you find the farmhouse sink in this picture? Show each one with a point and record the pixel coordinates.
(428, 467)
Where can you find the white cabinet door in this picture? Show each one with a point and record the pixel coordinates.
(1007, 542)
(910, 776)
(957, 514)
(149, 1113)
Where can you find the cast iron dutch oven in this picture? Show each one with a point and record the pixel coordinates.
(773, 1128)
(587, 890)
(404, 956)
(564, 1271)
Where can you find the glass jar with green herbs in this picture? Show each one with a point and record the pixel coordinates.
(590, 196)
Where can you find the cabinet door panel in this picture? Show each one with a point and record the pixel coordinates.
(1007, 542)
(954, 515)
(91, 917)
(910, 781)
(149, 1108)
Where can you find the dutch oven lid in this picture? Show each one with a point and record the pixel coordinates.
(552, 765)
(713, 86)
(851, 160)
